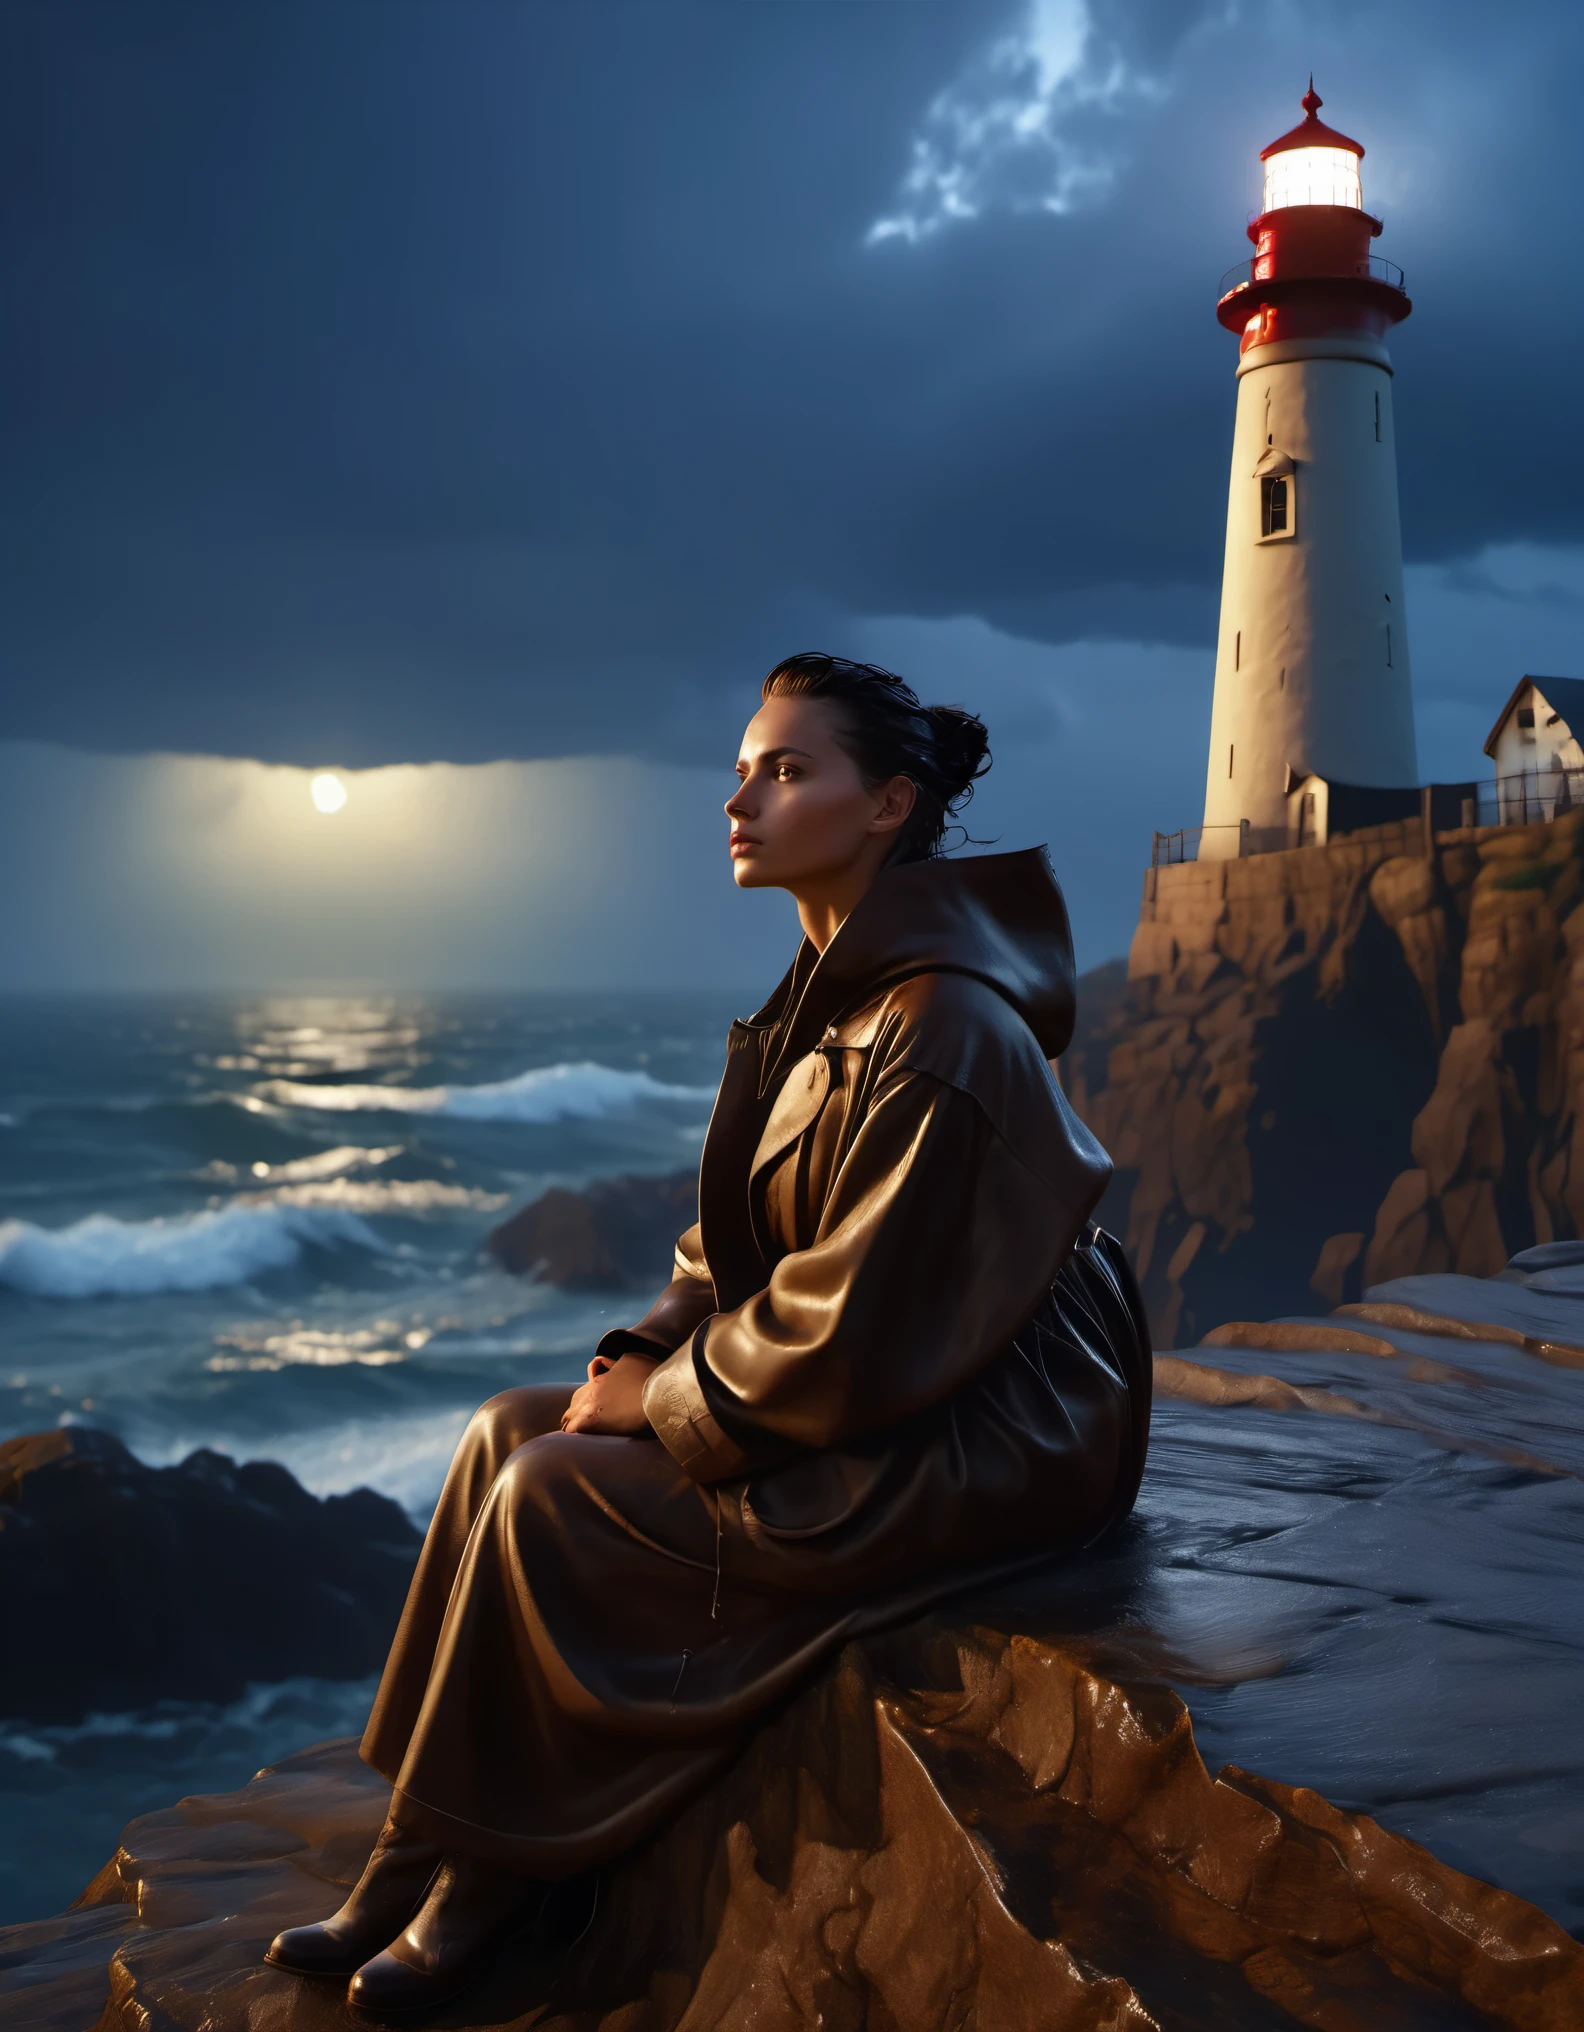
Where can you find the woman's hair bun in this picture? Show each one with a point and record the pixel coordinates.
(964, 744)
(889, 732)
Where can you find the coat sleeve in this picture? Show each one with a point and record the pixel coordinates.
(687, 1300)
(936, 1244)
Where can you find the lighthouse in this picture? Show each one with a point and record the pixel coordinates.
(1311, 684)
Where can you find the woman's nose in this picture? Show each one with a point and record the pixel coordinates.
(739, 805)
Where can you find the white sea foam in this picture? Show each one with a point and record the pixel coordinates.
(102, 1256)
(411, 1196)
(550, 1093)
(312, 1347)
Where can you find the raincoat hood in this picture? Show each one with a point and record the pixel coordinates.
(997, 917)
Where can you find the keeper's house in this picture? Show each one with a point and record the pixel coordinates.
(1539, 764)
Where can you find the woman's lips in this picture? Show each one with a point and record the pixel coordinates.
(742, 842)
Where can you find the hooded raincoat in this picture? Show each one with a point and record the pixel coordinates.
(895, 1359)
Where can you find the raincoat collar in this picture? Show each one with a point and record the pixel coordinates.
(998, 917)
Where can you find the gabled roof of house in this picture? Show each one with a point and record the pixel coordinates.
(1564, 695)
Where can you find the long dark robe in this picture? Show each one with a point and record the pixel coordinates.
(898, 1360)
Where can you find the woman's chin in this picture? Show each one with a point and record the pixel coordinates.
(750, 874)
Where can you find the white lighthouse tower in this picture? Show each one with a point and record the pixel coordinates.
(1311, 685)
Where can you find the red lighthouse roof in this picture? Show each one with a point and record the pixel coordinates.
(1311, 131)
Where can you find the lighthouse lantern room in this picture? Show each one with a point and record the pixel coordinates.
(1312, 681)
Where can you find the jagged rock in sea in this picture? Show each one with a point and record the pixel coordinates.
(615, 1235)
(122, 1584)
(1343, 1064)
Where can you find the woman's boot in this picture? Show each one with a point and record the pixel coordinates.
(470, 1909)
(388, 1893)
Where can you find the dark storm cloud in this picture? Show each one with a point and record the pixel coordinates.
(452, 381)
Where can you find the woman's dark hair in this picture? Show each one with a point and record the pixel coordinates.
(942, 750)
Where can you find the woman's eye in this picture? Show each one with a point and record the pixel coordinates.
(786, 773)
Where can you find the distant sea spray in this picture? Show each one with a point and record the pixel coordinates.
(550, 1093)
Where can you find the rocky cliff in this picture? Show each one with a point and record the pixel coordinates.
(1343, 1064)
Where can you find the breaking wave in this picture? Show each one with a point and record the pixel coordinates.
(550, 1093)
(102, 1257)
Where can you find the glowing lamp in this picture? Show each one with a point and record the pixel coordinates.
(328, 792)
(1313, 176)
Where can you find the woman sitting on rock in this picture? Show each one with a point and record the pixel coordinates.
(895, 1360)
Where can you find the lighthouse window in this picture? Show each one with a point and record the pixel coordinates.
(1526, 717)
(1276, 505)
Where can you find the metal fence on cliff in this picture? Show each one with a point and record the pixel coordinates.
(1534, 797)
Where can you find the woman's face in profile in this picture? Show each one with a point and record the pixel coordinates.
(802, 814)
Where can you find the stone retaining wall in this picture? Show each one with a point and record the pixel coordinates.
(1344, 1063)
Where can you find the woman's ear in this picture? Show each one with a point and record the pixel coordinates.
(897, 800)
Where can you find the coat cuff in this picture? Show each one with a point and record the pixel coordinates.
(674, 1404)
(622, 1340)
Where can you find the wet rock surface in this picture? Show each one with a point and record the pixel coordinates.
(1340, 1065)
(122, 1584)
(614, 1235)
(1397, 1535)
(1352, 1572)
(956, 1827)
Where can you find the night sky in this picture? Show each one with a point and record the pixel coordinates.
(397, 383)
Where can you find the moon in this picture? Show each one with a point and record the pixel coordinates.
(328, 792)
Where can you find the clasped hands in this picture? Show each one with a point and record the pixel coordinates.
(612, 1398)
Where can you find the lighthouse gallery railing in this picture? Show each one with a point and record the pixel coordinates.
(1374, 267)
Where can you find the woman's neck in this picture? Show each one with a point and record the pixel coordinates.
(823, 916)
(823, 910)
(821, 921)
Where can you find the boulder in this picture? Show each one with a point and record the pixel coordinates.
(122, 1584)
(615, 1235)
(956, 1827)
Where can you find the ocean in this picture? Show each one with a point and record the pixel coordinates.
(256, 1223)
